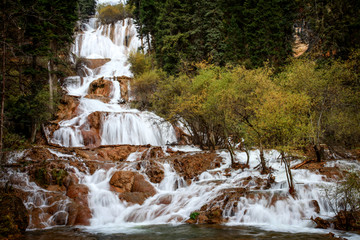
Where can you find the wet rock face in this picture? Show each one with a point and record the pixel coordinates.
(79, 211)
(124, 83)
(132, 186)
(100, 87)
(67, 107)
(154, 172)
(183, 138)
(190, 166)
(122, 181)
(95, 63)
(47, 173)
(14, 217)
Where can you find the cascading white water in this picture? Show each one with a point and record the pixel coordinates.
(135, 129)
(286, 213)
(121, 124)
(175, 198)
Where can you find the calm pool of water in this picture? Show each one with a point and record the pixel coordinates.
(179, 232)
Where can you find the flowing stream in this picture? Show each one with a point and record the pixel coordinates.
(120, 124)
(261, 214)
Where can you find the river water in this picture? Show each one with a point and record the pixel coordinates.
(248, 218)
(176, 232)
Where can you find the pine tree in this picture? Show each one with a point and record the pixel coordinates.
(268, 30)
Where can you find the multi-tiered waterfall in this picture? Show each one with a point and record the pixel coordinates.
(119, 189)
(119, 124)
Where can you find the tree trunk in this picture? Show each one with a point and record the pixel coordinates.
(51, 88)
(288, 173)
(148, 41)
(34, 128)
(319, 152)
(247, 156)
(231, 151)
(262, 160)
(3, 69)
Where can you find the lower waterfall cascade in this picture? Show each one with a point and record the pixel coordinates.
(124, 170)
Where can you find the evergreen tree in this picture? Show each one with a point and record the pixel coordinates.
(86, 8)
(268, 30)
(37, 35)
(332, 26)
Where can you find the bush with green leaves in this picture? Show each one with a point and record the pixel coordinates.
(108, 13)
(344, 198)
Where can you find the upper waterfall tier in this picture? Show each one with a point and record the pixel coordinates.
(107, 40)
(100, 115)
(111, 41)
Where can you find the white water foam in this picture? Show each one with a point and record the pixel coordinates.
(176, 200)
(120, 124)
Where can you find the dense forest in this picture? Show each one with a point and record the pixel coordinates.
(224, 68)
(35, 46)
(227, 70)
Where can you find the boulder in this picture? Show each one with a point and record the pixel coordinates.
(124, 86)
(79, 194)
(192, 165)
(39, 216)
(122, 181)
(133, 197)
(91, 138)
(321, 223)
(314, 204)
(95, 120)
(142, 186)
(99, 97)
(132, 186)
(101, 87)
(155, 173)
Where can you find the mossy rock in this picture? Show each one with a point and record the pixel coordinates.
(14, 217)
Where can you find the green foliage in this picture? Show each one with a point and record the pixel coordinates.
(331, 26)
(38, 34)
(86, 8)
(41, 177)
(58, 176)
(145, 85)
(306, 103)
(194, 215)
(268, 30)
(332, 90)
(217, 31)
(14, 141)
(108, 13)
(344, 198)
(139, 63)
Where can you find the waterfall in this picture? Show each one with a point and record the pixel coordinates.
(175, 199)
(102, 119)
(111, 44)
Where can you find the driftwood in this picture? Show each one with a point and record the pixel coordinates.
(302, 164)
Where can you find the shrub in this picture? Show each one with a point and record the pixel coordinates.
(194, 215)
(108, 13)
(344, 199)
(140, 63)
(145, 85)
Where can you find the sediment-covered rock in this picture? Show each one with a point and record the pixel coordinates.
(192, 165)
(96, 62)
(132, 186)
(67, 108)
(79, 194)
(101, 87)
(124, 82)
